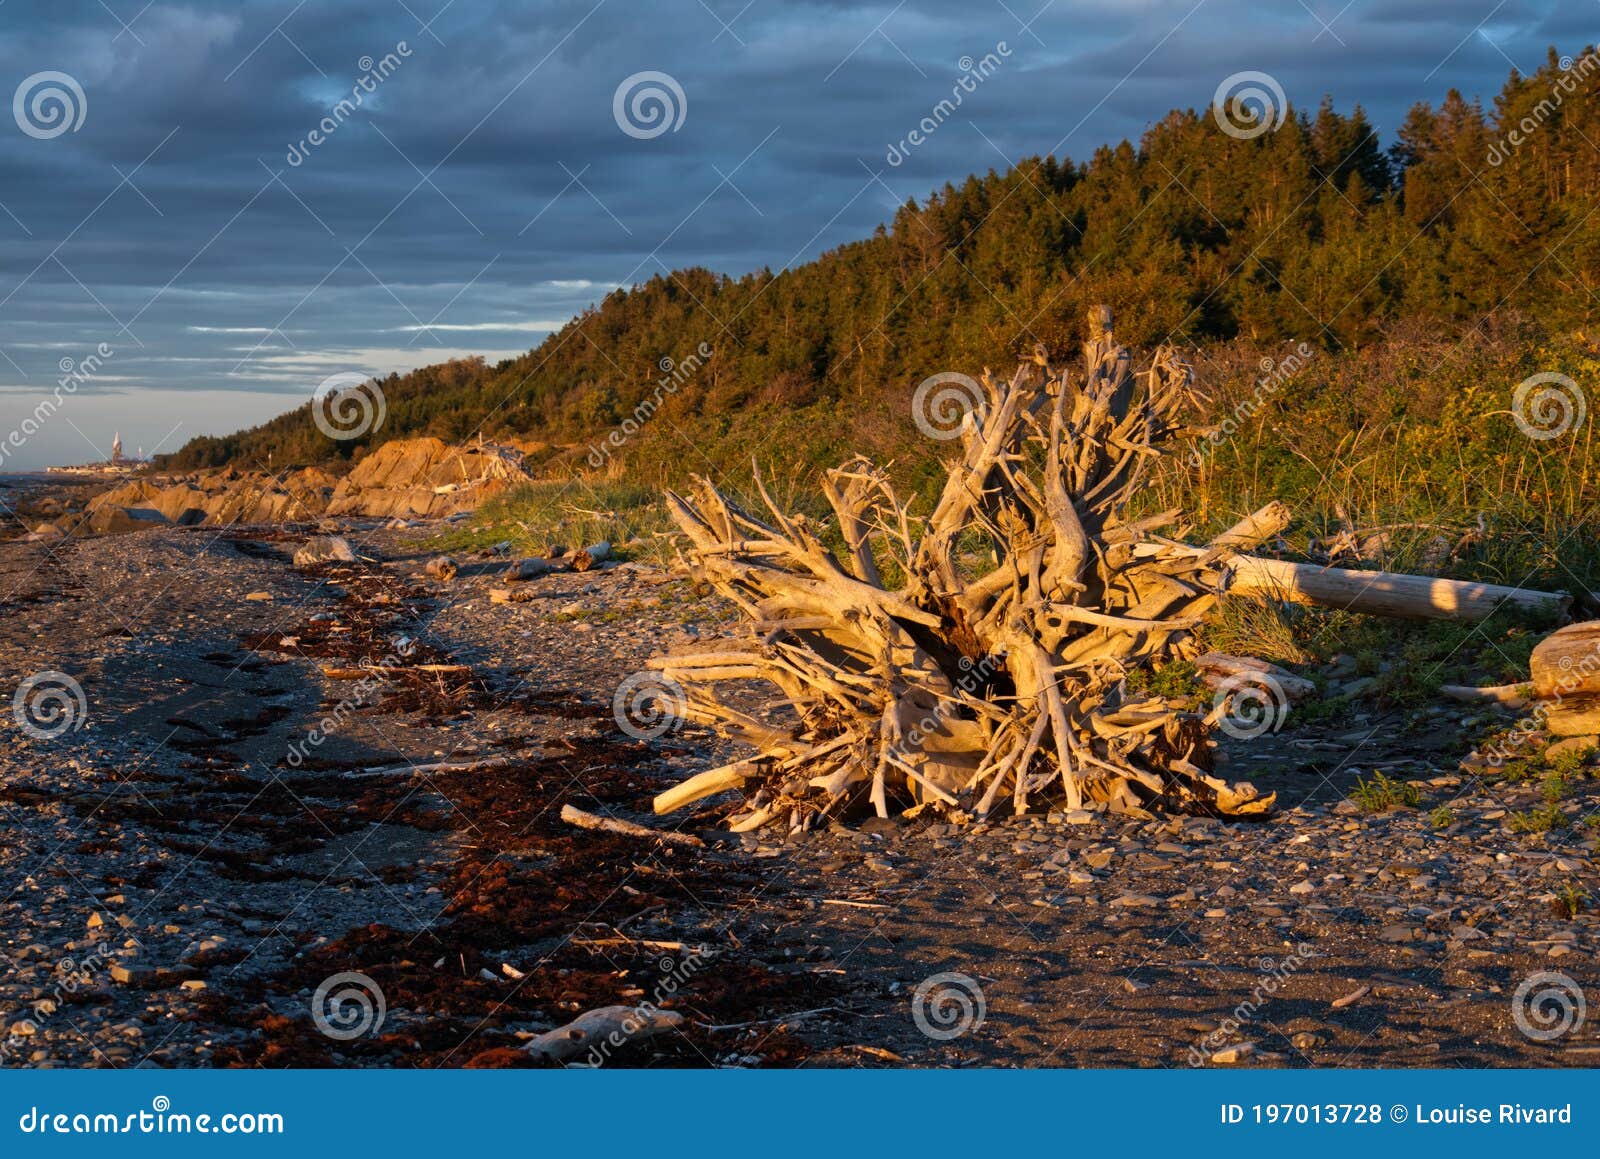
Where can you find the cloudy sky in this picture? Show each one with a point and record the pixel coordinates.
(163, 196)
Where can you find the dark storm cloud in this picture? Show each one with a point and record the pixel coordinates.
(484, 189)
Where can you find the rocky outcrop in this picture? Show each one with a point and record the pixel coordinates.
(407, 478)
(426, 479)
(110, 519)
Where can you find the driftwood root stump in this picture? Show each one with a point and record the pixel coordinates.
(922, 679)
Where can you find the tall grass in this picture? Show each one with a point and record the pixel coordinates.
(1406, 451)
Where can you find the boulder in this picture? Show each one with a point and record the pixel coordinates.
(114, 520)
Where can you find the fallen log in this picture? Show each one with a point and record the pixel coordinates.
(591, 556)
(575, 816)
(1221, 671)
(1578, 716)
(1567, 662)
(527, 569)
(1383, 593)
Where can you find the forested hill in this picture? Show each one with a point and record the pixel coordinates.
(1318, 231)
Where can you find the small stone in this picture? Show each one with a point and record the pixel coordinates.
(258, 597)
(1135, 900)
(1305, 1040)
(1134, 987)
(1235, 1053)
(193, 985)
(96, 921)
(1302, 887)
(126, 975)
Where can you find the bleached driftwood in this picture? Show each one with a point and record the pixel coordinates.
(575, 816)
(967, 687)
(1567, 662)
(1383, 593)
(1509, 695)
(1221, 671)
(602, 1030)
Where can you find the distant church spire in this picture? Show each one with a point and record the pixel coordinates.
(116, 447)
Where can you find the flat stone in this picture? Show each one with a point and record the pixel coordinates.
(1235, 1053)
(1135, 900)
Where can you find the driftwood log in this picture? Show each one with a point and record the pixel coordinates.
(921, 674)
(1384, 593)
